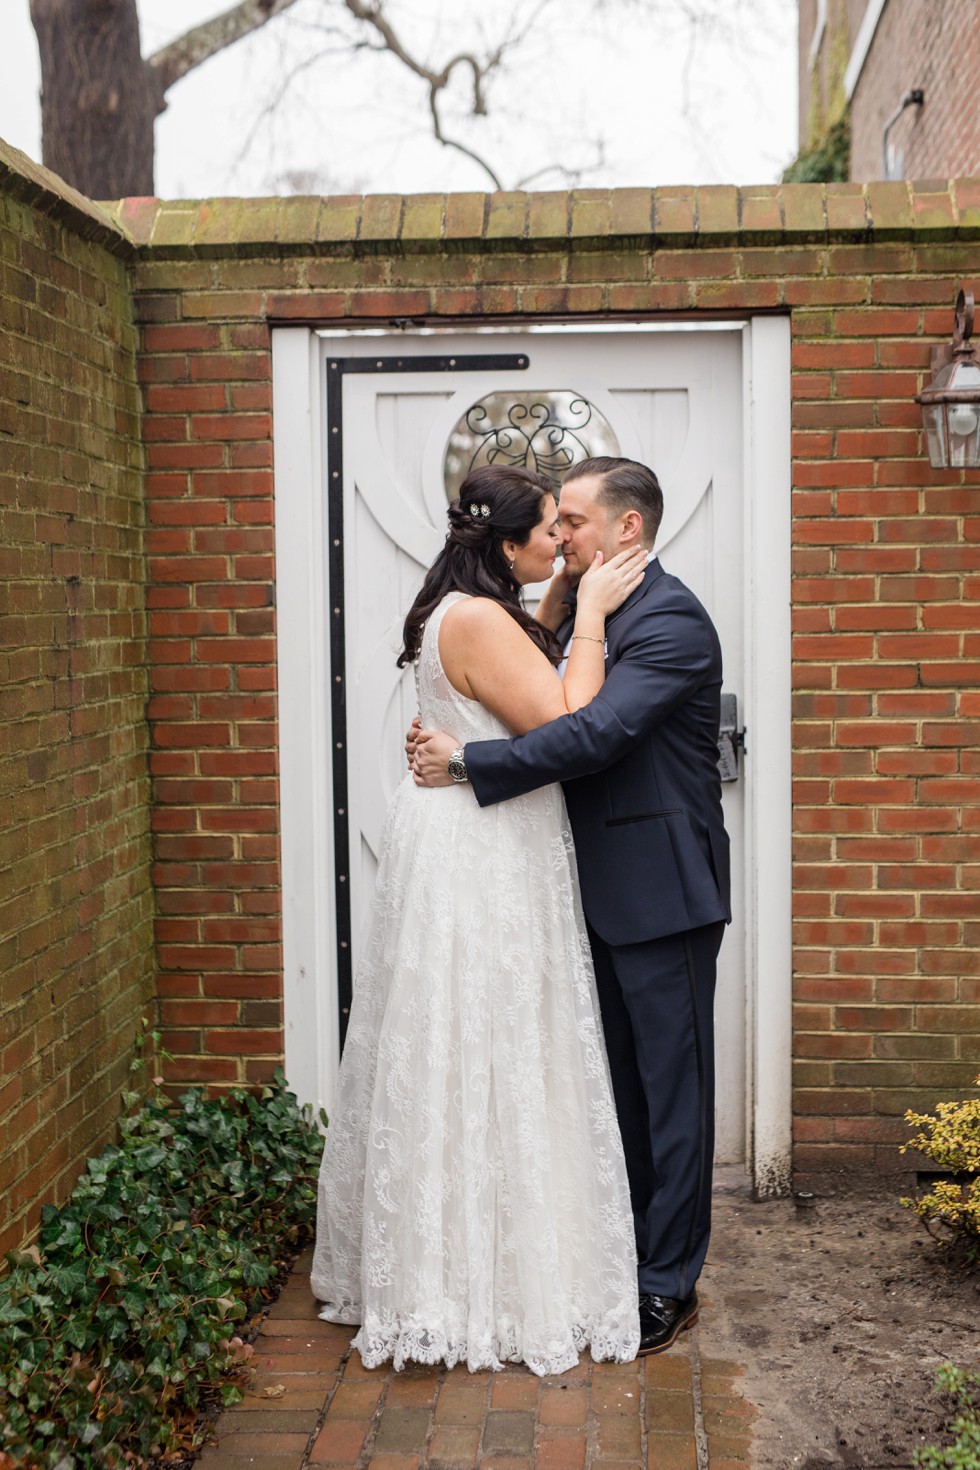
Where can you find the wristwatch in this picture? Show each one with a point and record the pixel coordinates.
(457, 766)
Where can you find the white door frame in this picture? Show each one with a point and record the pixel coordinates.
(306, 798)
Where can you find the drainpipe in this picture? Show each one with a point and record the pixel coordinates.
(915, 97)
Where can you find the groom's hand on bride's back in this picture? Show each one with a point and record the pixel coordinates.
(430, 761)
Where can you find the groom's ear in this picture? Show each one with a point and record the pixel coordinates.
(632, 526)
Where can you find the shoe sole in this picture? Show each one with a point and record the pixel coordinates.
(679, 1327)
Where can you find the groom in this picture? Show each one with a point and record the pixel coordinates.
(640, 775)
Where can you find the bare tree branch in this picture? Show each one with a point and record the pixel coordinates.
(269, 107)
(388, 40)
(198, 45)
(452, 142)
(569, 175)
(371, 13)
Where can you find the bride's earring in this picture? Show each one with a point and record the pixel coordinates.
(511, 563)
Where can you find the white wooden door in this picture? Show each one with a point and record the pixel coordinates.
(670, 399)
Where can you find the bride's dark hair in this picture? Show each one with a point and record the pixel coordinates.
(472, 559)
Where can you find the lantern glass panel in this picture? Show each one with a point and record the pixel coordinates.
(934, 423)
(963, 419)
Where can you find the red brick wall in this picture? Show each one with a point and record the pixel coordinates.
(212, 708)
(919, 43)
(75, 896)
(933, 44)
(886, 561)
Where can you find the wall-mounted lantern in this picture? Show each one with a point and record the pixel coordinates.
(951, 403)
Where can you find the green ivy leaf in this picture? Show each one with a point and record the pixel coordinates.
(112, 1327)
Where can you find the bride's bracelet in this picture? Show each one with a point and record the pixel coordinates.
(589, 637)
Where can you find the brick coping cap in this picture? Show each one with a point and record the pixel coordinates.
(577, 219)
(23, 179)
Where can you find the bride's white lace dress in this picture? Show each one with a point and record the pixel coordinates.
(473, 1200)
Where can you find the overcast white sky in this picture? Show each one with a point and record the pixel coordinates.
(621, 90)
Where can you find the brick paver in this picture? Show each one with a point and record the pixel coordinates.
(313, 1404)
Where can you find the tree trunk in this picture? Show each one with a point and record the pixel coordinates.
(99, 97)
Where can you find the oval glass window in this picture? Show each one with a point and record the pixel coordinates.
(547, 431)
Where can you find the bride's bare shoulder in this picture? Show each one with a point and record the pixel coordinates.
(473, 617)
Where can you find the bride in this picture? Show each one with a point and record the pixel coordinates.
(473, 1200)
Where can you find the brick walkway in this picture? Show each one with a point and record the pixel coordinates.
(312, 1404)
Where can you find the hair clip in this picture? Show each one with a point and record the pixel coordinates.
(479, 510)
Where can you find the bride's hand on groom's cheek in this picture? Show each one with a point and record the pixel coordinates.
(430, 763)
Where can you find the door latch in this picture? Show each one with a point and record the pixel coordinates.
(730, 738)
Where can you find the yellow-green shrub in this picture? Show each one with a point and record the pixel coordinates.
(950, 1210)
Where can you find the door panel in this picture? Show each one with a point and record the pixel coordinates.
(673, 400)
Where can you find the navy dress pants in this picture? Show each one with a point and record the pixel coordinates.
(657, 1005)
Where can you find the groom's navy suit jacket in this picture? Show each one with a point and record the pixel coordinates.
(639, 767)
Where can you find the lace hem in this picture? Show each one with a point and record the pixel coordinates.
(411, 1342)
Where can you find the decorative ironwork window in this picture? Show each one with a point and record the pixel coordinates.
(547, 431)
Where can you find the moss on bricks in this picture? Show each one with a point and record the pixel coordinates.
(422, 220)
(889, 208)
(804, 210)
(174, 225)
(381, 216)
(338, 219)
(548, 216)
(297, 220)
(591, 216)
(221, 219)
(675, 215)
(464, 217)
(967, 195)
(933, 210)
(507, 216)
(631, 213)
(258, 222)
(718, 210)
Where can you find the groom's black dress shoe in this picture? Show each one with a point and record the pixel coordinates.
(662, 1319)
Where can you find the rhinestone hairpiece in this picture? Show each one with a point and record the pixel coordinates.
(479, 510)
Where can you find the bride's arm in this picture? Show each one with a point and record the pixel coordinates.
(585, 670)
(487, 656)
(600, 591)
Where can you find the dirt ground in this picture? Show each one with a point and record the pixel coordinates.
(840, 1311)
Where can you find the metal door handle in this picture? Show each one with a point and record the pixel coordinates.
(730, 738)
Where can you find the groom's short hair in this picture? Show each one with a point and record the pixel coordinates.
(626, 485)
